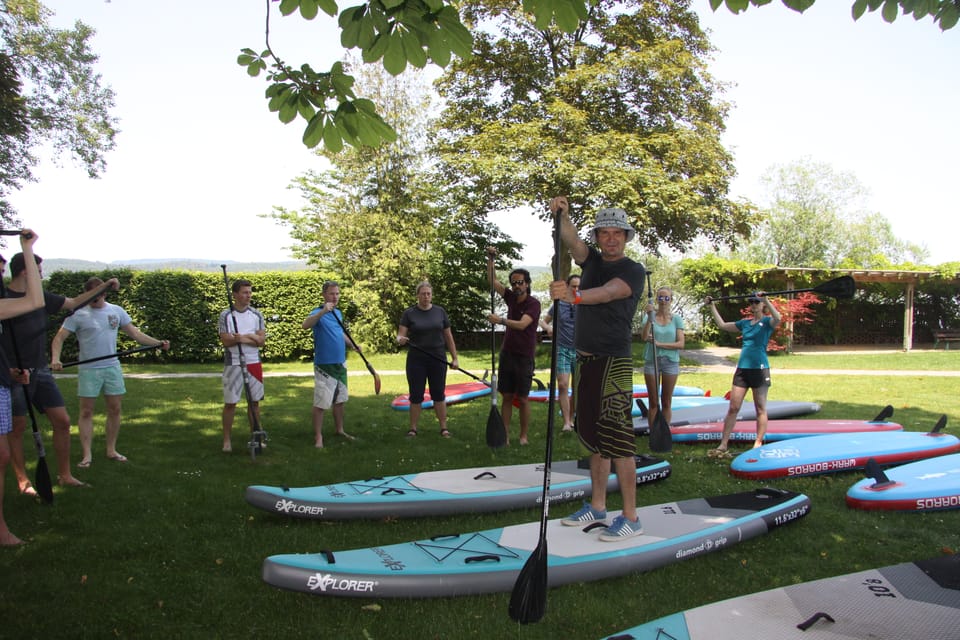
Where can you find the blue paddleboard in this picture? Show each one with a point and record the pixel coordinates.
(909, 601)
(443, 492)
(840, 452)
(490, 561)
(926, 485)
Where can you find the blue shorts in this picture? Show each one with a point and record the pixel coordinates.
(566, 359)
(667, 366)
(90, 382)
(6, 414)
(43, 390)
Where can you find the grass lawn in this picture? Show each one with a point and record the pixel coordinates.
(165, 545)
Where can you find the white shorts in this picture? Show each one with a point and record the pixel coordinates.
(233, 383)
(327, 390)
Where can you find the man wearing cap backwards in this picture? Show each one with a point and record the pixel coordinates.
(753, 368)
(611, 286)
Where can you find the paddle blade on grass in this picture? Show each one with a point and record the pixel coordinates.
(661, 440)
(528, 601)
(41, 481)
(496, 432)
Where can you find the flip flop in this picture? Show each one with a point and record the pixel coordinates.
(412, 433)
(29, 491)
(445, 434)
(84, 464)
(117, 458)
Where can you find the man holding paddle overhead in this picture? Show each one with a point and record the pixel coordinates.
(242, 332)
(24, 342)
(96, 327)
(330, 344)
(611, 286)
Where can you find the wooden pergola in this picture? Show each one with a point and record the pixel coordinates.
(909, 279)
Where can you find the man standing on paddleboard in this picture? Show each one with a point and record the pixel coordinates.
(611, 287)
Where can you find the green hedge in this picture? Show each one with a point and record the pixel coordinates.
(183, 307)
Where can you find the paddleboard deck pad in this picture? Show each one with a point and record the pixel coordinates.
(715, 412)
(910, 601)
(454, 393)
(435, 493)
(839, 452)
(490, 561)
(926, 485)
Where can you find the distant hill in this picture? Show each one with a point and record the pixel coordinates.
(63, 264)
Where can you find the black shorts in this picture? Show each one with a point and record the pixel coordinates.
(43, 390)
(516, 374)
(751, 378)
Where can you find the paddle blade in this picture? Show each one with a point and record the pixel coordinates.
(376, 381)
(528, 601)
(661, 440)
(41, 481)
(842, 287)
(496, 432)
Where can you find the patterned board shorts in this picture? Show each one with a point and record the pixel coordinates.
(604, 396)
(233, 380)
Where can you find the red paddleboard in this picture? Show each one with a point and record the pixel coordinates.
(457, 392)
(783, 429)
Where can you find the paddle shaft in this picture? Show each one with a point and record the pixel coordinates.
(841, 287)
(449, 364)
(118, 354)
(376, 376)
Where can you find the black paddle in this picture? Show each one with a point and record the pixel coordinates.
(118, 354)
(661, 440)
(376, 376)
(257, 434)
(528, 601)
(42, 482)
(449, 364)
(842, 287)
(496, 431)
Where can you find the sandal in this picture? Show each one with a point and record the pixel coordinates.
(83, 464)
(412, 433)
(444, 433)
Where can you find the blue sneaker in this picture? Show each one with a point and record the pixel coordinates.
(621, 529)
(584, 515)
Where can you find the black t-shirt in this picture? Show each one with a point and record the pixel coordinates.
(607, 329)
(30, 330)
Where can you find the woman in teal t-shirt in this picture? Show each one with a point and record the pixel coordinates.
(668, 338)
(753, 368)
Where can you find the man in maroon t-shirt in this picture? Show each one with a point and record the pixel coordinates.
(519, 343)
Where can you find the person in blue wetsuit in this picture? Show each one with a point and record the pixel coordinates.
(753, 368)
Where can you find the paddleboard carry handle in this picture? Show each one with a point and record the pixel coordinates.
(485, 474)
(484, 558)
(820, 615)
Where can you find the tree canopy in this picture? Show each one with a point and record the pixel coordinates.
(621, 112)
(49, 94)
(381, 221)
(398, 33)
(816, 217)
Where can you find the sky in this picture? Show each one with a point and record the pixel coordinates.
(200, 159)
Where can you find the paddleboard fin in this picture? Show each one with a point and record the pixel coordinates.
(873, 470)
(941, 423)
(885, 413)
